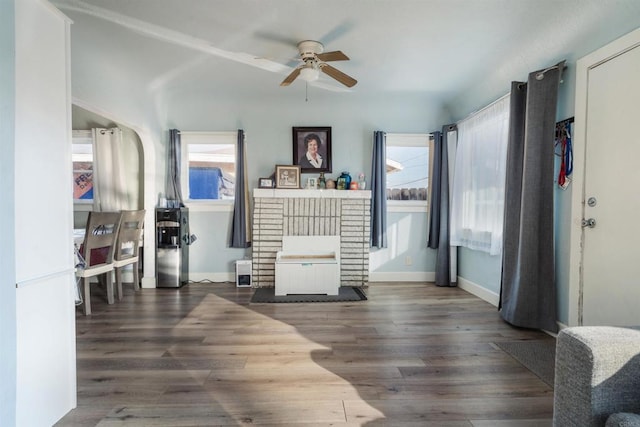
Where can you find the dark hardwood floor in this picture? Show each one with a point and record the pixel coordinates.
(412, 355)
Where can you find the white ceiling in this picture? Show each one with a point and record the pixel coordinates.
(461, 52)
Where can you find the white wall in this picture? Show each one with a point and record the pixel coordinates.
(44, 274)
(406, 257)
(7, 216)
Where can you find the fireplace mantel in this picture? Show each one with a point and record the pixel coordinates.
(311, 194)
(303, 212)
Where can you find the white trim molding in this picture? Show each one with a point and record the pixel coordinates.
(479, 291)
(402, 276)
(213, 277)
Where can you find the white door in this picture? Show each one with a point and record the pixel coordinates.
(611, 250)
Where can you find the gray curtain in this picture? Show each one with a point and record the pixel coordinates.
(174, 190)
(379, 191)
(528, 291)
(439, 203)
(434, 191)
(241, 229)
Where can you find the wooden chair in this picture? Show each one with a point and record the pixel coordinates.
(97, 252)
(127, 247)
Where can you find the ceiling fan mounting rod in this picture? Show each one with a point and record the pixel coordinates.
(310, 48)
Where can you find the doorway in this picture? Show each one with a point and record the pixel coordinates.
(605, 201)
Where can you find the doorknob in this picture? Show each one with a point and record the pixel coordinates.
(588, 222)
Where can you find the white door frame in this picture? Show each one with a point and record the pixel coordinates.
(583, 66)
(149, 197)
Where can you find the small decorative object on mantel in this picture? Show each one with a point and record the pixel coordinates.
(344, 181)
(287, 176)
(362, 184)
(322, 182)
(265, 183)
(312, 183)
(331, 184)
(353, 185)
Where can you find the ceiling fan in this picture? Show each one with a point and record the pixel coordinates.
(314, 60)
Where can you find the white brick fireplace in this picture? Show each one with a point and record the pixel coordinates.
(344, 213)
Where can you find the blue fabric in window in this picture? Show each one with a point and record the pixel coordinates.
(88, 195)
(204, 183)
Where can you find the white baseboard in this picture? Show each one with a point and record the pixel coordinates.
(148, 283)
(467, 285)
(212, 277)
(561, 325)
(477, 290)
(491, 297)
(414, 276)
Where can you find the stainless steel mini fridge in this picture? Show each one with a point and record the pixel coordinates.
(172, 247)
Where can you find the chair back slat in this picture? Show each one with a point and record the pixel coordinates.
(99, 238)
(127, 242)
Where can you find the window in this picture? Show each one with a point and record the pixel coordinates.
(208, 165)
(478, 187)
(407, 159)
(82, 157)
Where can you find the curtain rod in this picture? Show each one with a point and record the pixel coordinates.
(474, 113)
(428, 134)
(565, 121)
(539, 75)
(559, 66)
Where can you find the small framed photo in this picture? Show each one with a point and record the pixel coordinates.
(312, 149)
(312, 183)
(287, 176)
(265, 183)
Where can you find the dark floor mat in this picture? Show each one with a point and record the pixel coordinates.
(345, 293)
(537, 355)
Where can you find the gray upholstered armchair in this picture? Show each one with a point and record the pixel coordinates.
(597, 377)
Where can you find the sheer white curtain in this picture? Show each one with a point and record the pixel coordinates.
(478, 186)
(109, 190)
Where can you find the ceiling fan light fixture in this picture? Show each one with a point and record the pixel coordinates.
(309, 74)
(314, 59)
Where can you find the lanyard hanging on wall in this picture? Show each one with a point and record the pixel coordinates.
(564, 150)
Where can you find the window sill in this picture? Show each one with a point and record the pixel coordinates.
(194, 206)
(82, 206)
(210, 206)
(407, 206)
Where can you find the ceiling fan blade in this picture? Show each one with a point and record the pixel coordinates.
(338, 75)
(274, 37)
(337, 32)
(336, 55)
(291, 77)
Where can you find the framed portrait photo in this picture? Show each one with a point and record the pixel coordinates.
(312, 183)
(312, 149)
(265, 183)
(287, 176)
